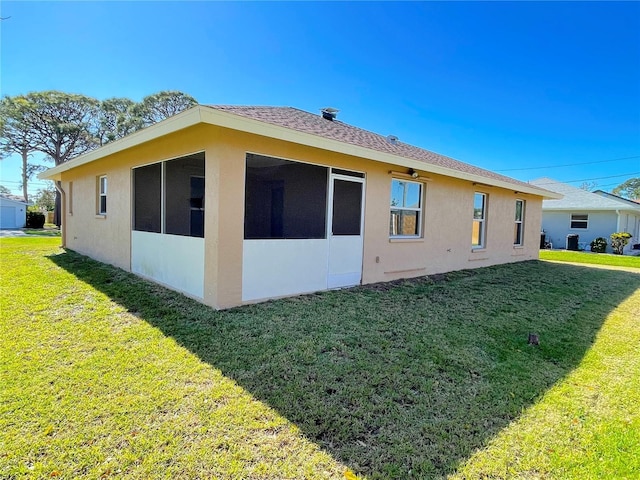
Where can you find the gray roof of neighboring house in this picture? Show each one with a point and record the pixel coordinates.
(626, 201)
(306, 122)
(579, 199)
(14, 198)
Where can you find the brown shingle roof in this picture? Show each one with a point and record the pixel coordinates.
(306, 122)
(289, 120)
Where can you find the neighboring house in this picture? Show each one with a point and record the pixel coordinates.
(234, 205)
(587, 214)
(13, 211)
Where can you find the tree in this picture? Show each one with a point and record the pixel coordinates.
(16, 137)
(46, 198)
(63, 126)
(588, 186)
(32, 169)
(4, 190)
(619, 240)
(155, 108)
(629, 189)
(116, 119)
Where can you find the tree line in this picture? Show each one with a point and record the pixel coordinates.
(629, 189)
(65, 125)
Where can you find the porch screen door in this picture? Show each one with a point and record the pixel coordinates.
(346, 231)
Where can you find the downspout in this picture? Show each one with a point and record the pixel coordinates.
(63, 203)
(618, 225)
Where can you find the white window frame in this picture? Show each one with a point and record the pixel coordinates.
(586, 221)
(102, 193)
(518, 242)
(408, 209)
(482, 231)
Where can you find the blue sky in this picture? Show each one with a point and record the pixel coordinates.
(500, 85)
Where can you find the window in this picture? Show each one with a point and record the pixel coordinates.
(518, 236)
(579, 220)
(284, 199)
(168, 197)
(406, 208)
(102, 195)
(479, 220)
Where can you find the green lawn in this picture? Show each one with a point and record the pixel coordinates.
(591, 258)
(49, 230)
(105, 375)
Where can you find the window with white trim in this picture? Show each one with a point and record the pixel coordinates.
(405, 219)
(518, 235)
(102, 195)
(579, 220)
(478, 233)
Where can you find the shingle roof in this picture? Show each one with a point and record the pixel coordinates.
(293, 125)
(15, 198)
(313, 124)
(626, 201)
(578, 199)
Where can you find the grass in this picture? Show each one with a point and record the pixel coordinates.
(106, 375)
(42, 232)
(591, 258)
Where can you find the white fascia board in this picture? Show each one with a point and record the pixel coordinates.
(203, 114)
(579, 208)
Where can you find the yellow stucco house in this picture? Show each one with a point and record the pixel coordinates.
(233, 205)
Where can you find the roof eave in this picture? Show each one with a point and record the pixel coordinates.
(16, 201)
(590, 208)
(213, 116)
(248, 125)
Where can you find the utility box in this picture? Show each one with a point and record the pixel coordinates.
(572, 242)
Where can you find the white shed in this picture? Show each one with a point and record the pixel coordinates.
(13, 211)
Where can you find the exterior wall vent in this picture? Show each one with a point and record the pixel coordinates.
(329, 113)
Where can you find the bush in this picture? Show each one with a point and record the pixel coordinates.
(599, 245)
(35, 219)
(619, 240)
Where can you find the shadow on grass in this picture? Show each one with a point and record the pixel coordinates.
(395, 380)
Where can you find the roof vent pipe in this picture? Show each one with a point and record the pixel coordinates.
(392, 139)
(329, 113)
